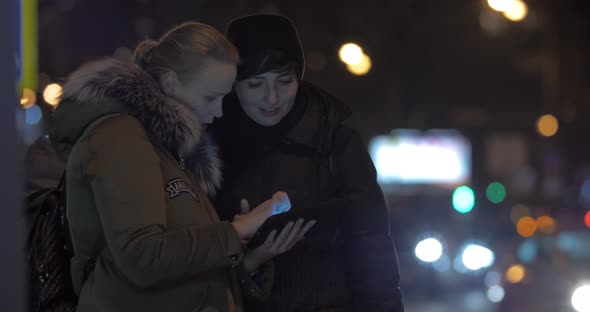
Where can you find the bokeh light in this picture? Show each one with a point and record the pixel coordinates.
(576, 244)
(500, 5)
(567, 242)
(362, 68)
(526, 227)
(496, 293)
(429, 250)
(547, 125)
(463, 199)
(527, 251)
(517, 11)
(351, 54)
(518, 212)
(33, 115)
(477, 257)
(52, 93)
(28, 99)
(496, 192)
(587, 219)
(581, 299)
(407, 157)
(546, 224)
(515, 273)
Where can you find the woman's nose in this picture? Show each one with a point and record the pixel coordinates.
(272, 96)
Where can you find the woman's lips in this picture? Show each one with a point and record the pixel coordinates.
(269, 112)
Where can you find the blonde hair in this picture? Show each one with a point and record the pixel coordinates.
(183, 50)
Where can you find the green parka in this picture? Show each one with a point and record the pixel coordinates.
(145, 235)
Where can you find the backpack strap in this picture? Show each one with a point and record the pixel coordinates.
(62, 181)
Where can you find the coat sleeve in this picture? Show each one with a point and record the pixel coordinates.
(371, 255)
(126, 180)
(257, 287)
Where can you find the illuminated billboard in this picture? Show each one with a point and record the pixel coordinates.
(441, 157)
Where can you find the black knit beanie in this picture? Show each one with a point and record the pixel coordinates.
(255, 34)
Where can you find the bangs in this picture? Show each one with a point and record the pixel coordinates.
(268, 61)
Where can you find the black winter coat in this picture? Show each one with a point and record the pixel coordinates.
(347, 262)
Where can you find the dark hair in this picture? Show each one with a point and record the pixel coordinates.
(183, 49)
(267, 61)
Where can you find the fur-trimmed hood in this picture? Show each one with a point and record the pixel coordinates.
(110, 86)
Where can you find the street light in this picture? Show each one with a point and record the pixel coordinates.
(500, 5)
(581, 298)
(517, 11)
(362, 68)
(52, 93)
(351, 54)
(429, 250)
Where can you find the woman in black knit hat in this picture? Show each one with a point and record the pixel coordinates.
(279, 132)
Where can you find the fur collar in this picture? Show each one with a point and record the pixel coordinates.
(168, 124)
